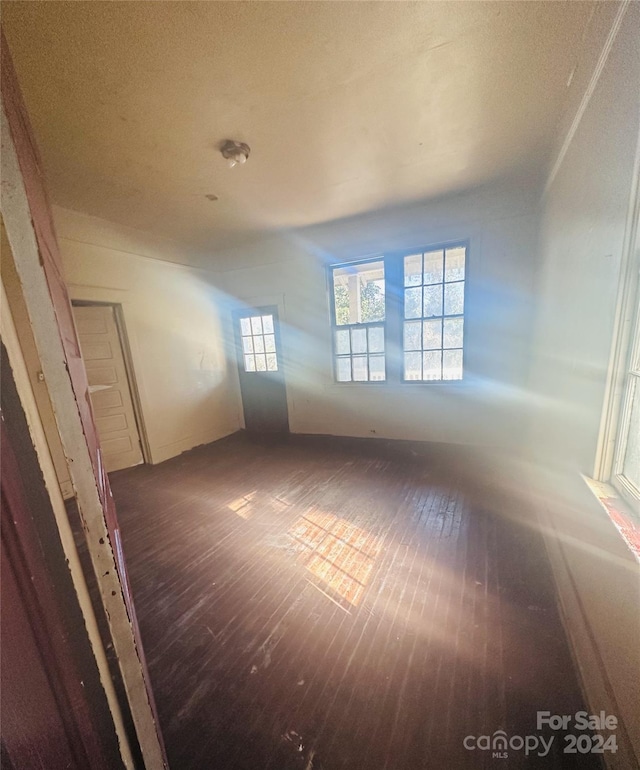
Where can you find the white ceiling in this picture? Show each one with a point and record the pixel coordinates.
(348, 107)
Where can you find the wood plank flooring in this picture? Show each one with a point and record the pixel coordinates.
(326, 604)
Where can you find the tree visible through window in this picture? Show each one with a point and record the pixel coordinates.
(341, 293)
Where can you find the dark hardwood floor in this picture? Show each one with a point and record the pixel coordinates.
(335, 604)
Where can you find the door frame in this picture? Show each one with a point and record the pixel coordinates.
(121, 327)
(31, 234)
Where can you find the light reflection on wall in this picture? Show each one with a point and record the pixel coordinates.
(340, 555)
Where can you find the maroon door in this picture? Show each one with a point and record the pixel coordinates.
(54, 711)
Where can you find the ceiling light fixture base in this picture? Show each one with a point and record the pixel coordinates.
(235, 152)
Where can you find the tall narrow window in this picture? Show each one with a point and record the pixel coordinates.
(433, 326)
(358, 321)
(626, 466)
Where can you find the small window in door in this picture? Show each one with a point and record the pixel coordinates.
(259, 343)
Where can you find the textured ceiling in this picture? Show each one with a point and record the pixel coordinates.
(348, 107)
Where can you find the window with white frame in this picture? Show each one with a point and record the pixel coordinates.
(433, 324)
(411, 301)
(359, 314)
(626, 463)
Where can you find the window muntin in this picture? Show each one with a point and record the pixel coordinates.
(359, 354)
(358, 321)
(258, 343)
(433, 324)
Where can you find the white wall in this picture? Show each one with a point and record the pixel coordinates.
(582, 234)
(290, 270)
(173, 324)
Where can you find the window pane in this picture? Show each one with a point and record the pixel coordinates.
(452, 365)
(342, 342)
(258, 344)
(359, 340)
(433, 267)
(372, 301)
(245, 326)
(261, 364)
(249, 363)
(413, 366)
(376, 368)
(432, 334)
(360, 373)
(272, 362)
(256, 325)
(358, 292)
(376, 339)
(453, 332)
(453, 298)
(454, 264)
(413, 270)
(412, 339)
(432, 365)
(343, 369)
(267, 324)
(631, 465)
(247, 344)
(413, 303)
(432, 300)
(270, 343)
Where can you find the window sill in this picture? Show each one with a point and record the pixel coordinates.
(400, 386)
(618, 511)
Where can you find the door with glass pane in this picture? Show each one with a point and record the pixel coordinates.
(260, 368)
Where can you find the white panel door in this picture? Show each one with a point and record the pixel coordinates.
(109, 386)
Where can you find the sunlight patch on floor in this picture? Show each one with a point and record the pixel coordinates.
(242, 505)
(339, 554)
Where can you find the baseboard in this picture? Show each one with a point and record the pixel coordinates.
(167, 451)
